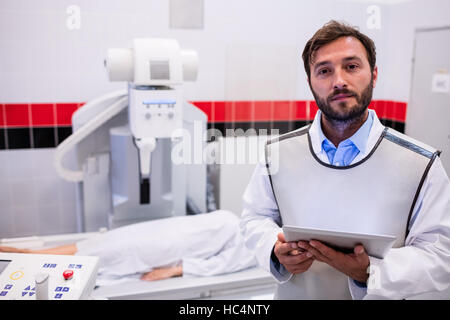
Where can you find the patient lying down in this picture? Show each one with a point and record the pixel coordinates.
(201, 245)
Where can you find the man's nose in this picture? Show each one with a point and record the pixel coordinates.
(339, 80)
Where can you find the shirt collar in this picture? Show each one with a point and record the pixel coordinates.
(359, 138)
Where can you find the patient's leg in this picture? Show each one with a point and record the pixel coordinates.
(163, 273)
(69, 249)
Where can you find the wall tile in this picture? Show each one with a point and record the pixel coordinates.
(25, 220)
(49, 221)
(64, 113)
(23, 192)
(218, 111)
(2, 139)
(282, 110)
(312, 110)
(300, 111)
(42, 114)
(2, 119)
(17, 115)
(63, 133)
(263, 110)
(19, 138)
(6, 223)
(44, 137)
(243, 111)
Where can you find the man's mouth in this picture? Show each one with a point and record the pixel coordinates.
(341, 96)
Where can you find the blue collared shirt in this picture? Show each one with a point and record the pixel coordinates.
(348, 149)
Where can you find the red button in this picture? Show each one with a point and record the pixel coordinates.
(68, 274)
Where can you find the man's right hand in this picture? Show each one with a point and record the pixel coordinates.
(293, 258)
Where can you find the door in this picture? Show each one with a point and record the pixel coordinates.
(428, 114)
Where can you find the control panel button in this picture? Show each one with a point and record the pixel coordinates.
(16, 275)
(68, 274)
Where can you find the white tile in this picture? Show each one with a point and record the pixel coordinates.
(5, 197)
(47, 191)
(49, 219)
(20, 163)
(68, 219)
(261, 72)
(186, 14)
(23, 192)
(43, 163)
(25, 220)
(4, 165)
(6, 222)
(67, 191)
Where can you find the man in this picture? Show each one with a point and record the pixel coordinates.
(347, 172)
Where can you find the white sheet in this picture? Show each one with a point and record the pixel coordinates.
(206, 244)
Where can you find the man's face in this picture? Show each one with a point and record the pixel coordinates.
(341, 80)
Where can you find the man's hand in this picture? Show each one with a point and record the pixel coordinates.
(294, 259)
(353, 265)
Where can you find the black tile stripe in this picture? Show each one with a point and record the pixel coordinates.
(396, 125)
(2, 139)
(44, 137)
(50, 137)
(18, 138)
(63, 133)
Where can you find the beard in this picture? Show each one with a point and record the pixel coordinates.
(343, 114)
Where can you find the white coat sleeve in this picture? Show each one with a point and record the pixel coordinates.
(261, 221)
(423, 264)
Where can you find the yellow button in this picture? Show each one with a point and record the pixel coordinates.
(16, 275)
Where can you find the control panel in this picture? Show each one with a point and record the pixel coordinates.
(42, 277)
(155, 113)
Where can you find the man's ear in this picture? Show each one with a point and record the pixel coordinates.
(375, 76)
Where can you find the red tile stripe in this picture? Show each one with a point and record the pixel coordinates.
(304, 110)
(16, 115)
(35, 115)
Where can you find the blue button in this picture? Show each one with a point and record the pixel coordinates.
(3, 293)
(78, 266)
(65, 289)
(53, 265)
(8, 286)
(31, 294)
(71, 266)
(28, 288)
(24, 293)
(58, 296)
(58, 289)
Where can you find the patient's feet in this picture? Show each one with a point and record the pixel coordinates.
(13, 250)
(162, 273)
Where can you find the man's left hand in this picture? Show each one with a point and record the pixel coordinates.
(353, 265)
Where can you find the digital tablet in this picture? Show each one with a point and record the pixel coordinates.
(376, 245)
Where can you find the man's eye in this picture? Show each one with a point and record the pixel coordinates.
(323, 71)
(352, 66)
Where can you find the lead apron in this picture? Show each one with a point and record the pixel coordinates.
(375, 195)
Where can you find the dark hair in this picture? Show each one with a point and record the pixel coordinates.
(330, 32)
